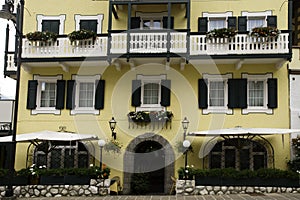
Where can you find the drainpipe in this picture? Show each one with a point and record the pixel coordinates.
(290, 28)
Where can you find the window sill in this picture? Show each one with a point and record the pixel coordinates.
(257, 110)
(45, 111)
(85, 111)
(148, 108)
(217, 110)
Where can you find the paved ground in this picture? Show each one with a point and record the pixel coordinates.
(271, 196)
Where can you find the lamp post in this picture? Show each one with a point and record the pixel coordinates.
(186, 143)
(112, 125)
(17, 19)
(101, 144)
(185, 124)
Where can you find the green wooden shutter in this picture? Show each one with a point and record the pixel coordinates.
(99, 96)
(272, 93)
(202, 24)
(136, 93)
(60, 94)
(242, 23)
(165, 22)
(165, 92)
(89, 25)
(231, 22)
(70, 94)
(202, 93)
(51, 26)
(31, 95)
(237, 93)
(272, 21)
(135, 22)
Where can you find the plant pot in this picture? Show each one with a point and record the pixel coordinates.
(33, 180)
(51, 180)
(20, 180)
(77, 180)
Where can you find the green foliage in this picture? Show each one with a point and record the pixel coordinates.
(113, 146)
(3, 172)
(294, 165)
(264, 173)
(143, 116)
(265, 32)
(140, 184)
(44, 36)
(221, 33)
(82, 35)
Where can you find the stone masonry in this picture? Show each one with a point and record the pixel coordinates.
(187, 187)
(98, 187)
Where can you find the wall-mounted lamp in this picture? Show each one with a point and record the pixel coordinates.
(112, 125)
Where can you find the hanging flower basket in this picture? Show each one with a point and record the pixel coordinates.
(113, 146)
(266, 32)
(44, 36)
(221, 33)
(82, 35)
(142, 116)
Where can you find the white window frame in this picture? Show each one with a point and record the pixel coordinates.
(98, 17)
(263, 14)
(218, 109)
(154, 79)
(258, 109)
(61, 19)
(151, 16)
(39, 109)
(210, 16)
(84, 110)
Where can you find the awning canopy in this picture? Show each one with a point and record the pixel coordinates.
(239, 131)
(49, 136)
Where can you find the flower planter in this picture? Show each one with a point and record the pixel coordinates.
(33, 180)
(4, 181)
(76, 180)
(51, 180)
(20, 180)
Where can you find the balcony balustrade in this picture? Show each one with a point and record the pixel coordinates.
(153, 43)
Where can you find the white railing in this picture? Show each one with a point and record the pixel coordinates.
(11, 62)
(240, 44)
(64, 48)
(156, 42)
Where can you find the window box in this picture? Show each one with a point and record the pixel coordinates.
(82, 35)
(41, 36)
(77, 179)
(265, 32)
(221, 34)
(154, 118)
(20, 180)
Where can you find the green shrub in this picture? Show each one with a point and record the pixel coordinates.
(44, 36)
(82, 35)
(3, 172)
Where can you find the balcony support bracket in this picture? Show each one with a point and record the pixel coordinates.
(279, 64)
(64, 67)
(239, 64)
(26, 68)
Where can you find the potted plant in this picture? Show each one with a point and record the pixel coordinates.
(41, 36)
(78, 37)
(265, 32)
(52, 176)
(113, 146)
(222, 33)
(79, 176)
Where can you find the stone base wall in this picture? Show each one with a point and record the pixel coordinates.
(187, 187)
(98, 187)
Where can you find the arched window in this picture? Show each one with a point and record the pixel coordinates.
(239, 154)
(62, 154)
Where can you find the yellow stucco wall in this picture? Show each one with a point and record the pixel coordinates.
(184, 84)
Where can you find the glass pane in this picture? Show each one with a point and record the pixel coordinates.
(256, 93)
(216, 93)
(55, 158)
(48, 94)
(69, 158)
(216, 23)
(244, 159)
(86, 94)
(41, 159)
(147, 24)
(83, 160)
(258, 162)
(230, 158)
(215, 161)
(151, 93)
(255, 22)
(156, 24)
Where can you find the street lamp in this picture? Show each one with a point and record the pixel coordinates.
(101, 144)
(112, 125)
(185, 125)
(186, 144)
(17, 19)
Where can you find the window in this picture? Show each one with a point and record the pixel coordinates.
(92, 22)
(239, 154)
(256, 19)
(151, 92)
(217, 93)
(85, 94)
(46, 94)
(217, 20)
(257, 93)
(151, 21)
(62, 155)
(51, 23)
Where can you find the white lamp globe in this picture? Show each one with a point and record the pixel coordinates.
(101, 143)
(186, 143)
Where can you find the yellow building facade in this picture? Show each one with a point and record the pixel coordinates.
(155, 58)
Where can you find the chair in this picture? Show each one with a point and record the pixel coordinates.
(116, 180)
(173, 188)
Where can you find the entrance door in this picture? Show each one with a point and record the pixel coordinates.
(149, 165)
